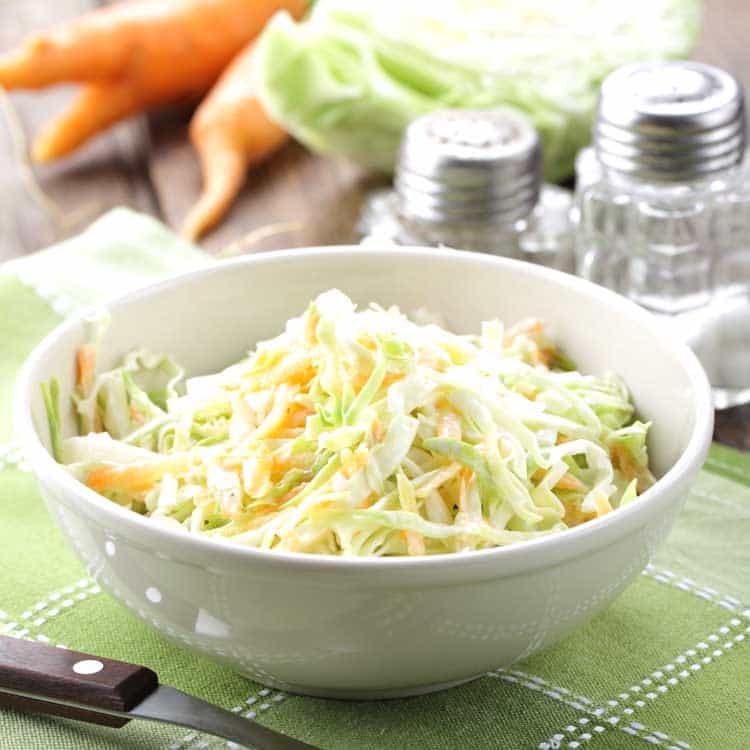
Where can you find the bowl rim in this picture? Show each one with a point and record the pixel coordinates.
(561, 544)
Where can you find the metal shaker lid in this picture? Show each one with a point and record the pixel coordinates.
(670, 121)
(469, 166)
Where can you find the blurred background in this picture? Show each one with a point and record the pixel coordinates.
(148, 162)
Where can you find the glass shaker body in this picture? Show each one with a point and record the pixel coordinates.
(670, 247)
(663, 209)
(682, 252)
(546, 236)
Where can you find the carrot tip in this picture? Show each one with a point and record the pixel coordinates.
(197, 222)
(42, 151)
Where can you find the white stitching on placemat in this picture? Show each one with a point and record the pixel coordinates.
(12, 456)
(11, 629)
(532, 682)
(660, 682)
(59, 601)
(60, 302)
(688, 585)
(261, 701)
(579, 702)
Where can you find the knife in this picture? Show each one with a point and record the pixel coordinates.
(46, 679)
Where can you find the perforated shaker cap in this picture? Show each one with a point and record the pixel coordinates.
(475, 167)
(670, 121)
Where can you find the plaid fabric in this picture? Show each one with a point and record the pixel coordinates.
(668, 664)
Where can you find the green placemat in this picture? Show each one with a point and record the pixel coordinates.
(667, 665)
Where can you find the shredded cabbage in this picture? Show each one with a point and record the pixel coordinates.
(361, 432)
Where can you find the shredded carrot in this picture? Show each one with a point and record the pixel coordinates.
(132, 478)
(368, 342)
(359, 380)
(569, 482)
(297, 370)
(352, 461)
(261, 514)
(414, 542)
(602, 505)
(294, 491)
(86, 368)
(528, 327)
(136, 415)
(573, 514)
(623, 462)
(393, 377)
(311, 327)
(547, 354)
(566, 482)
(282, 464)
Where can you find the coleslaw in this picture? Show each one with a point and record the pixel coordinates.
(360, 433)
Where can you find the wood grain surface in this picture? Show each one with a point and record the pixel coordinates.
(50, 673)
(147, 163)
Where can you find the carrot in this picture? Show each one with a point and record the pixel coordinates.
(86, 369)
(414, 542)
(231, 133)
(566, 482)
(132, 478)
(602, 505)
(574, 515)
(569, 482)
(132, 56)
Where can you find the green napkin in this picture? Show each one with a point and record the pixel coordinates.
(668, 664)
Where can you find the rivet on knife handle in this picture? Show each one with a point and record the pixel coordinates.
(61, 674)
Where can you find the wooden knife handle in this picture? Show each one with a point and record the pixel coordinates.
(49, 674)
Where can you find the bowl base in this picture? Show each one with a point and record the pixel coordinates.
(366, 694)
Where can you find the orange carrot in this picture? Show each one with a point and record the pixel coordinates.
(602, 505)
(132, 56)
(231, 133)
(136, 478)
(414, 542)
(86, 369)
(569, 482)
(566, 482)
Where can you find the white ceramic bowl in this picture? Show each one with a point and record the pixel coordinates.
(372, 627)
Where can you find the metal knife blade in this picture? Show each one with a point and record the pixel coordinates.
(175, 707)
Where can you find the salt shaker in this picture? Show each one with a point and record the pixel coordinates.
(472, 179)
(663, 204)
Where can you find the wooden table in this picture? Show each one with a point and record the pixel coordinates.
(147, 163)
